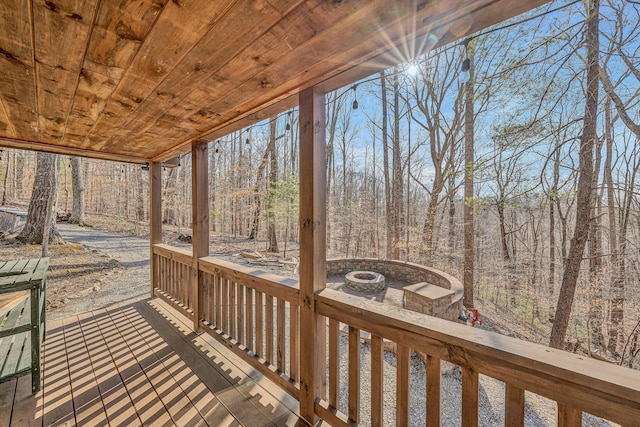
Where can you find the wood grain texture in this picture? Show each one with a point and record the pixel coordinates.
(155, 217)
(433, 391)
(200, 221)
(60, 37)
(403, 357)
(17, 68)
(354, 374)
(334, 362)
(513, 406)
(568, 416)
(377, 381)
(469, 397)
(312, 271)
(143, 79)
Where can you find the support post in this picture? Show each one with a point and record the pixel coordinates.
(312, 250)
(200, 224)
(155, 215)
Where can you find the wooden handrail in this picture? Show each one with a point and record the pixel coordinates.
(608, 391)
(183, 256)
(283, 288)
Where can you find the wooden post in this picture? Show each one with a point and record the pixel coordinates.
(312, 250)
(200, 225)
(155, 214)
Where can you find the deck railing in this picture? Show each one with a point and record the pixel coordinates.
(172, 275)
(256, 315)
(577, 384)
(253, 313)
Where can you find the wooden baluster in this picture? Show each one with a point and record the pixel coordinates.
(187, 276)
(469, 397)
(354, 374)
(513, 406)
(225, 305)
(294, 360)
(204, 297)
(280, 334)
(158, 279)
(218, 285)
(168, 278)
(403, 356)
(211, 288)
(259, 323)
(569, 416)
(184, 284)
(334, 362)
(377, 377)
(170, 281)
(240, 314)
(232, 310)
(249, 320)
(268, 329)
(433, 391)
(202, 300)
(174, 281)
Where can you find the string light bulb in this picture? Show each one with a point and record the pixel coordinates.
(466, 63)
(288, 126)
(355, 99)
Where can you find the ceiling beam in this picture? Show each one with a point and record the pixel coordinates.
(67, 151)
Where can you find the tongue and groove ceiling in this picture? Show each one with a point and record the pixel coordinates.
(139, 80)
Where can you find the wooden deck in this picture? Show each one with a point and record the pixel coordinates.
(139, 364)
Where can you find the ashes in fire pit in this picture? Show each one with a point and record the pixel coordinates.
(364, 281)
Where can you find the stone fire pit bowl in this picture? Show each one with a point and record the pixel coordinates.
(364, 281)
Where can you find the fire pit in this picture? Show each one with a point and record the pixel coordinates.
(364, 281)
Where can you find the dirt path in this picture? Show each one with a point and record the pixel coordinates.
(130, 283)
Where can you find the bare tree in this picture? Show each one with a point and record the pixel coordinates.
(77, 182)
(45, 187)
(585, 179)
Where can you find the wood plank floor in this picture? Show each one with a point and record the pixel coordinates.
(139, 364)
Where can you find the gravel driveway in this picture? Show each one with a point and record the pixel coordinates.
(131, 252)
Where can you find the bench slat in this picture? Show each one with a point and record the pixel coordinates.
(10, 366)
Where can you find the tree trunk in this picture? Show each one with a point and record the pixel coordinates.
(503, 231)
(469, 161)
(141, 189)
(595, 261)
(273, 181)
(585, 180)
(257, 196)
(19, 175)
(6, 175)
(77, 183)
(397, 169)
(43, 188)
(385, 167)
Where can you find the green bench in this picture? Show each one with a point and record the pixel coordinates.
(23, 324)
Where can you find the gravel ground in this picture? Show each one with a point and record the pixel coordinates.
(539, 411)
(132, 253)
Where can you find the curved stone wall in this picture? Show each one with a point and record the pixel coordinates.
(407, 272)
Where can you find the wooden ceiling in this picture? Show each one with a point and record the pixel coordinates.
(139, 80)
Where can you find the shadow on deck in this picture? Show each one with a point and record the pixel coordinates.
(139, 364)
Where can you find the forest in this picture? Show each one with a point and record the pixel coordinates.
(509, 159)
